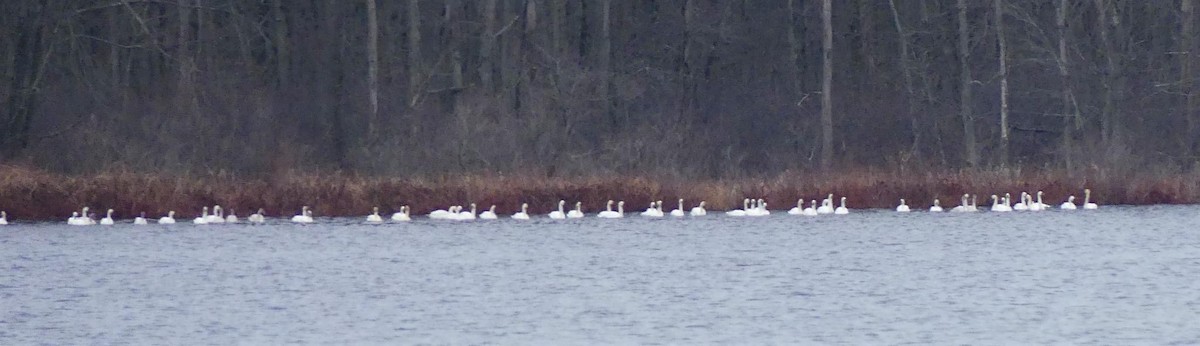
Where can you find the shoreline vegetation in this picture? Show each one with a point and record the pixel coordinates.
(33, 194)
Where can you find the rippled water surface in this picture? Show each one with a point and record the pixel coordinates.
(1119, 275)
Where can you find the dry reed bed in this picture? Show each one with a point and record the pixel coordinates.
(35, 194)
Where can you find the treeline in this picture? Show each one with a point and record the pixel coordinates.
(687, 88)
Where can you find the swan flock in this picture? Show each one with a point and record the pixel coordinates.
(751, 207)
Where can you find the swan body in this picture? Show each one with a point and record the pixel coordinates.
(258, 217)
(1000, 206)
(559, 214)
(1038, 205)
(232, 217)
(1069, 204)
(762, 208)
(141, 219)
(441, 213)
(937, 206)
(467, 215)
(1023, 205)
(699, 210)
(902, 208)
(74, 219)
(841, 210)
(402, 215)
(678, 212)
(167, 220)
(305, 216)
(608, 213)
(107, 220)
(524, 213)
(83, 219)
(489, 214)
(3, 218)
(740, 212)
(203, 218)
(577, 212)
(798, 209)
(653, 211)
(1087, 200)
(962, 205)
(826, 206)
(812, 209)
(217, 216)
(374, 217)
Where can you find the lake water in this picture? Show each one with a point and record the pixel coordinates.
(1119, 275)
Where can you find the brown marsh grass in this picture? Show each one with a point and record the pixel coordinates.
(34, 194)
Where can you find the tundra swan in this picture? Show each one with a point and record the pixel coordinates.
(523, 214)
(107, 220)
(218, 215)
(258, 217)
(467, 215)
(1087, 200)
(812, 209)
(937, 206)
(826, 205)
(203, 218)
(1069, 204)
(699, 210)
(998, 206)
(305, 216)
(1023, 205)
(440, 213)
(841, 210)
(678, 212)
(762, 208)
(141, 219)
(903, 208)
(962, 205)
(610, 214)
(3, 218)
(167, 220)
(577, 212)
(374, 217)
(74, 219)
(740, 212)
(559, 214)
(652, 211)
(489, 214)
(232, 217)
(798, 209)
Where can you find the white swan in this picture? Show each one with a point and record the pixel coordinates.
(559, 214)
(812, 209)
(203, 218)
(524, 213)
(798, 209)
(902, 208)
(258, 217)
(608, 213)
(217, 216)
(999, 206)
(467, 215)
(740, 212)
(962, 205)
(3, 218)
(305, 216)
(74, 219)
(1087, 200)
(83, 219)
(652, 211)
(489, 214)
(762, 208)
(699, 210)
(107, 220)
(826, 205)
(232, 217)
(441, 213)
(937, 206)
(678, 212)
(577, 212)
(1038, 205)
(167, 220)
(1069, 204)
(374, 217)
(141, 219)
(841, 210)
(1023, 205)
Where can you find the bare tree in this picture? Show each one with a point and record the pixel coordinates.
(1002, 56)
(372, 68)
(964, 93)
(1070, 119)
(827, 86)
(1187, 37)
(414, 53)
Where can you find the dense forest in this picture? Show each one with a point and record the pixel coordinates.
(687, 88)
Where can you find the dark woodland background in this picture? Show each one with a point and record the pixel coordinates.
(686, 88)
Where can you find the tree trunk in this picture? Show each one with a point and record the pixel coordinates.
(414, 53)
(906, 72)
(372, 69)
(487, 44)
(964, 92)
(1003, 58)
(1064, 73)
(1187, 36)
(827, 86)
(279, 37)
(1107, 117)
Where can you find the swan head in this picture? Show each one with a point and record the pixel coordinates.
(995, 198)
(1087, 191)
(375, 210)
(562, 203)
(578, 204)
(1039, 194)
(171, 213)
(621, 204)
(1071, 198)
(936, 202)
(205, 210)
(681, 201)
(901, 201)
(492, 209)
(84, 212)
(659, 204)
(260, 211)
(74, 214)
(702, 204)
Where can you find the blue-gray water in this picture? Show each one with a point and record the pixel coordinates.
(1119, 275)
